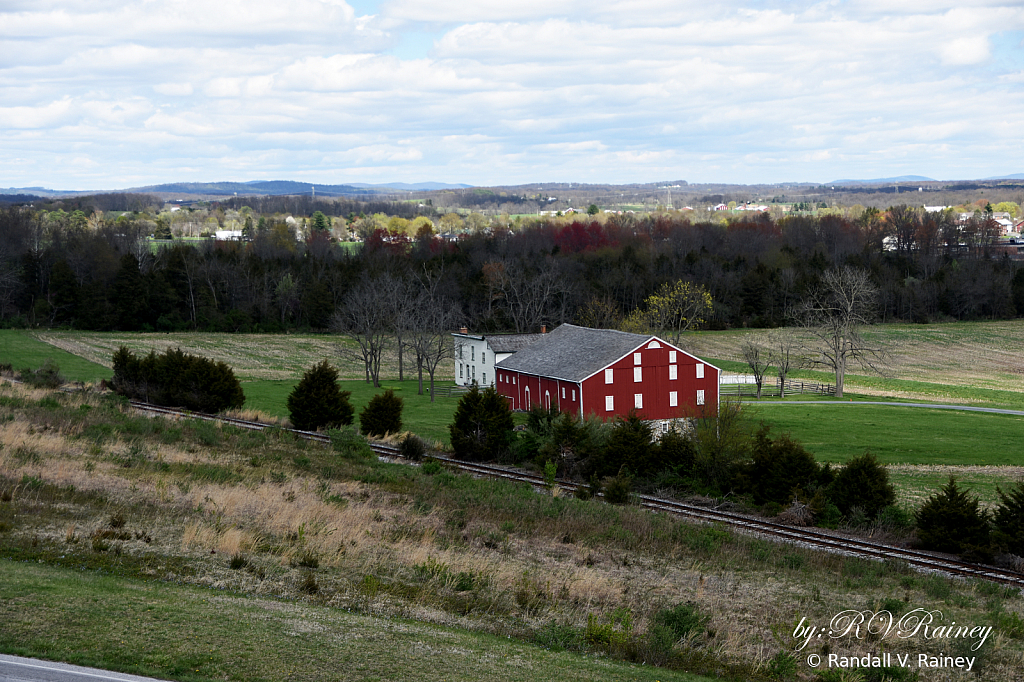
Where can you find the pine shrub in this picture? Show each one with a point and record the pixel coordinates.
(317, 402)
(482, 426)
(952, 521)
(176, 379)
(777, 468)
(382, 415)
(864, 483)
(1009, 520)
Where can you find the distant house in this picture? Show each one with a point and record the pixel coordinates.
(608, 373)
(477, 354)
(228, 235)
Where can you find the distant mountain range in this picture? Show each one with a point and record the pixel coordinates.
(252, 188)
(879, 181)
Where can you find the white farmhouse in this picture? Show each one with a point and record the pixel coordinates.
(477, 354)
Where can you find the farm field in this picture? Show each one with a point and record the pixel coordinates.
(22, 350)
(971, 358)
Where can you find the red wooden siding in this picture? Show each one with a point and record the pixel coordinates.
(654, 387)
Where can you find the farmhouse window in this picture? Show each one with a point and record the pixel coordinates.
(460, 370)
(638, 374)
(609, 403)
(673, 372)
(483, 356)
(472, 353)
(609, 374)
(484, 377)
(638, 401)
(636, 358)
(673, 399)
(671, 356)
(700, 370)
(700, 397)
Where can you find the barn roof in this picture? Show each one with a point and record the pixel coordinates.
(573, 353)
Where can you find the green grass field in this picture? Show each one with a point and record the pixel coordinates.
(22, 350)
(428, 420)
(907, 435)
(190, 633)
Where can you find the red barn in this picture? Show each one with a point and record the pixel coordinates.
(608, 373)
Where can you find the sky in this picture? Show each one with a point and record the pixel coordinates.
(107, 94)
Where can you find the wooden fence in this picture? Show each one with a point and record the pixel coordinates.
(771, 389)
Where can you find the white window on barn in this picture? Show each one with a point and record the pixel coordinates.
(636, 358)
(609, 403)
(638, 375)
(671, 356)
(514, 382)
(700, 397)
(700, 370)
(673, 372)
(654, 344)
(547, 399)
(563, 392)
(609, 375)
(673, 399)
(574, 395)
(638, 401)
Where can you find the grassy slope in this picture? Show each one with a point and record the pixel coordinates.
(22, 350)
(190, 633)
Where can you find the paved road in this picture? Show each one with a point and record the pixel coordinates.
(17, 669)
(965, 408)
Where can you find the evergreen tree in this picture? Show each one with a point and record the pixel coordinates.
(1009, 520)
(864, 483)
(952, 521)
(777, 467)
(482, 425)
(317, 401)
(382, 415)
(176, 379)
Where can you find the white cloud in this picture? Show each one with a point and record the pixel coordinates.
(510, 92)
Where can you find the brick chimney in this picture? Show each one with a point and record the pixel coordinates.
(543, 329)
(463, 330)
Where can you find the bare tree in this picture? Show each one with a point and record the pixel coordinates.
(755, 354)
(783, 354)
(432, 336)
(834, 313)
(363, 317)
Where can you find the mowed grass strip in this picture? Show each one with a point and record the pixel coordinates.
(419, 415)
(897, 435)
(22, 350)
(186, 633)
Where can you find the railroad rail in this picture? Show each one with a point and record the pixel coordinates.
(818, 539)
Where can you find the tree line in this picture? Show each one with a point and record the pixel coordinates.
(92, 272)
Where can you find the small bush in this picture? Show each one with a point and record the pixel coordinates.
(683, 620)
(317, 401)
(864, 483)
(347, 443)
(237, 562)
(431, 467)
(618, 489)
(47, 376)
(382, 415)
(307, 560)
(412, 447)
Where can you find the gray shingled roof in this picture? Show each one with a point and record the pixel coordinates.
(511, 343)
(573, 353)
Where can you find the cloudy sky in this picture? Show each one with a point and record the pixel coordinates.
(101, 94)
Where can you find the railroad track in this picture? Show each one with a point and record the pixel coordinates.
(803, 536)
